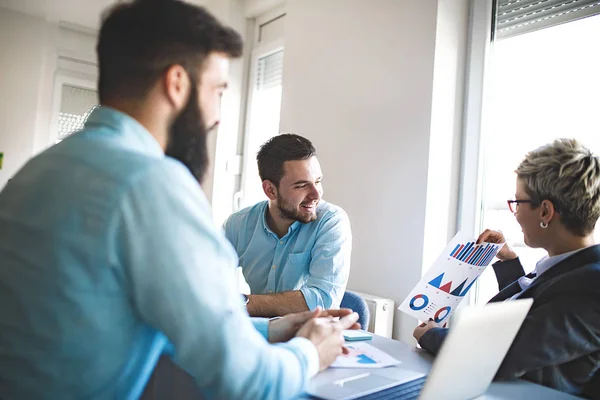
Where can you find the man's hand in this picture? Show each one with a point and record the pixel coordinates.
(326, 335)
(490, 236)
(423, 328)
(285, 328)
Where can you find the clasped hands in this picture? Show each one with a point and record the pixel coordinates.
(287, 327)
(324, 328)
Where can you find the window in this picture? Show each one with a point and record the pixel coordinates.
(264, 121)
(76, 104)
(75, 97)
(543, 85)
(264, 102)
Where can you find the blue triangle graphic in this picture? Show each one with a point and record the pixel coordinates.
(437, 282)
(457, 291)
(464, 292)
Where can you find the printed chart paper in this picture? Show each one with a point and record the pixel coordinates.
(364, 355)
(449, 279)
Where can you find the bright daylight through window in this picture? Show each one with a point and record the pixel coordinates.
(544, 85)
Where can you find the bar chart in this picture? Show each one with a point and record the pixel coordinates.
(475, 254)
(450, 278)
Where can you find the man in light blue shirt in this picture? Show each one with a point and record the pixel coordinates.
(295, 248)
(108, 248)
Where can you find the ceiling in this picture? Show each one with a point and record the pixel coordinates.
(85, 13)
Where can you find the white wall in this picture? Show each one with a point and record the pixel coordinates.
(254, 8)
(24, 42)
(360, 84)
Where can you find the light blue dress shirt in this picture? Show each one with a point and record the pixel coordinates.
(313, 258)
(102, 238)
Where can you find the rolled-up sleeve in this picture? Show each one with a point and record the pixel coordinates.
(330, 263)
(180, 270)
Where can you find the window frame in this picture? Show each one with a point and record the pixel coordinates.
(259, 50)
(470, 203)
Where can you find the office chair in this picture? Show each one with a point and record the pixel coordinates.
(358, 304)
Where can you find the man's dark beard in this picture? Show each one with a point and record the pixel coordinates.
(187, 137)
(286, 211)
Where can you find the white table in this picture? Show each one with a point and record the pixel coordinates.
(420, 361)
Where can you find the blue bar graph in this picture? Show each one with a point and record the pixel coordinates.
(475, 254)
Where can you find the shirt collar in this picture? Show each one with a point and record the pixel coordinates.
(138, 136)
(264, 211)
(548, 262)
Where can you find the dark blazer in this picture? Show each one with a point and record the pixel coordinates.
(558, 344)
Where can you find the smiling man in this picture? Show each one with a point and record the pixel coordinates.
(294, 248)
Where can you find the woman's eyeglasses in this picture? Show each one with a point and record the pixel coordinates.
(513, 205)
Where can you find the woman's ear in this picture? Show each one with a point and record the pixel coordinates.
(547, 211)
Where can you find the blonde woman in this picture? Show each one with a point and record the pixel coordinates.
(557, 204)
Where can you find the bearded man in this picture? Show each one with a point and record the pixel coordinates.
(109, 253)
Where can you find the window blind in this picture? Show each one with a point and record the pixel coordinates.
(270, 71)
(76, 104)
(516, 17)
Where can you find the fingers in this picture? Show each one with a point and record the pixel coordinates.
(432, 324)
(484, 236)
(302, 317)
(490, 236)
(336, 313)
(429, 323)
(349, 320)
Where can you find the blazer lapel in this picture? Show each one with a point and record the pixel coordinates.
(509, 291)
(584, 257)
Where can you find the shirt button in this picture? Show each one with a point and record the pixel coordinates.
(274, 266)
(281, 242)
(270, 291)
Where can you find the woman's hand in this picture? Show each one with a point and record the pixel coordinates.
(423, 328)
(490, 236)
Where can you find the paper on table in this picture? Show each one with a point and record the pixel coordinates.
(449, 279)
(363, 355)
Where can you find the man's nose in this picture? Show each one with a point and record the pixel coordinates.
(314, 193)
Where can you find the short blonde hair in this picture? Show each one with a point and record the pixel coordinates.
(568, 174)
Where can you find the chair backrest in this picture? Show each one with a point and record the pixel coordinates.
(358, 304)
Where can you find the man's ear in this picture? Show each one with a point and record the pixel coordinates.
(177, 86)
(270, 189)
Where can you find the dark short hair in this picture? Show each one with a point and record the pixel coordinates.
(279, 149)
(140, 40)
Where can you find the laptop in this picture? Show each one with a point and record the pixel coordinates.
(466, 363)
